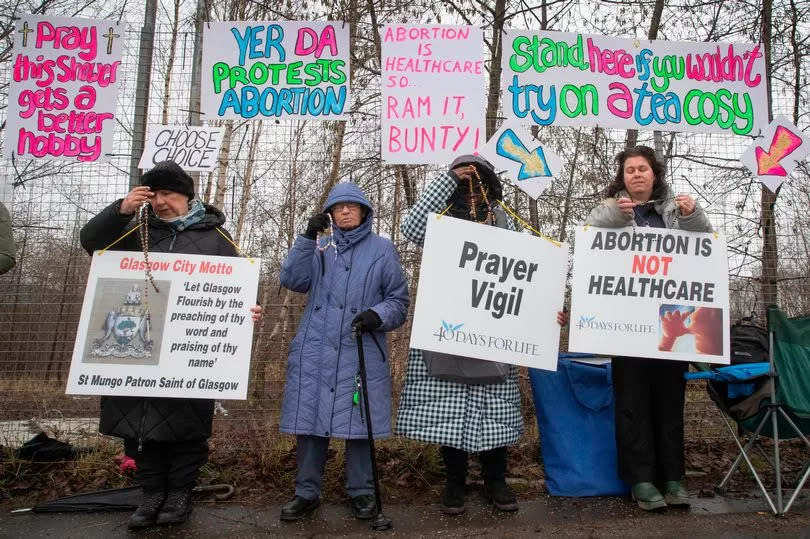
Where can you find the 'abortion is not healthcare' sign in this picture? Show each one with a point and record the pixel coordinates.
(489, 293)
(650, 292)
(556, 78)
(65, 74)
(290, 69)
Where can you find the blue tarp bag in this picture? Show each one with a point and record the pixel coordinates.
(741, 379)
(574, 408)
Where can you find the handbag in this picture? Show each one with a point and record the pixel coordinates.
(465, 370)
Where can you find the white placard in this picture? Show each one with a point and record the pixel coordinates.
(650, 292)
(489, 293)
(284, 69)
(774, 155)
(432, 92)
(195, 149)
(65, 76)
(531, 166)
(571, 79)
(198, 343)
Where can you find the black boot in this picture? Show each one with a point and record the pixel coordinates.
(455, 467)
(176, 508)
(496, 491)
(146, 514)
(298, 508)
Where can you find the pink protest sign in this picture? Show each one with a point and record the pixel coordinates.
(64, 87)
(432, 92)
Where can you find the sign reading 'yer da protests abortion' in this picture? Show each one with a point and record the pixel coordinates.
(64, 87)
(568, 79)
(650, 292)
(489, 293)
(290, 69)
(432, 92)
(190, 338)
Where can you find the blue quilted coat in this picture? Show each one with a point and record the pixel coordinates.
(361, 272)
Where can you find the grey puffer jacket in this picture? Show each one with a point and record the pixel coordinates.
(608, 215)
(150, 418)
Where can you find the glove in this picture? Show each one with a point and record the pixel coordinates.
(316, 223)
(368, 320)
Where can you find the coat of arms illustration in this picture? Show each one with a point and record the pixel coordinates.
(126, 330)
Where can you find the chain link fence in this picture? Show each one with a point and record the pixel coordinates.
(274, 174)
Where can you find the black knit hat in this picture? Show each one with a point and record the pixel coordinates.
(169, 176)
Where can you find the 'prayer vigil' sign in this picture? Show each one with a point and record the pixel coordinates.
(290, 69)
(190, 338)
(64, 88)
(557, 78)
(650, 292)
(489, 293)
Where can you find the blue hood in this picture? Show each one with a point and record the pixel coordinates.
(347, 192)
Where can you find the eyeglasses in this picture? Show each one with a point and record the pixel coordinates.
(351, 206)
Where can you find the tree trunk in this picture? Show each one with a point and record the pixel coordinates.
(167, 82)
(770, 255)
(222, 168)
(247, 182)
(631, 139)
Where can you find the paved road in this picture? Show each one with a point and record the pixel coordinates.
(546, 516)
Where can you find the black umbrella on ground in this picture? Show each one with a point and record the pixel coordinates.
(114, 499)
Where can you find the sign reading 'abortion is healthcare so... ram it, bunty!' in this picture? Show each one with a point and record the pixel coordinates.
(567, 79)
(64, 87)
(432, 92)
(290, 69)
(489, 293)
(190, 338)
(650, 292)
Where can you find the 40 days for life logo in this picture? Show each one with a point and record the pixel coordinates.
(452, 332)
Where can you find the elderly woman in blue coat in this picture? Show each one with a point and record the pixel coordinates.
(351, 276)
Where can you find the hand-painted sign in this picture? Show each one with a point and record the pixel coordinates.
(290, 69)
(64, 88)
(432, 92)
(774, 154)
(526, 161)
(558, 78)
(191, 337)
(650, 292)
(489, 293)
(196, 149)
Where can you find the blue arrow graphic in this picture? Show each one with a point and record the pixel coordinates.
(532, 164)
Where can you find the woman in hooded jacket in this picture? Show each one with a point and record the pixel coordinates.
(167, 437)
(351, 277)
(463, 418)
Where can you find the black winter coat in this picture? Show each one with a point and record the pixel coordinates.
(151, 418)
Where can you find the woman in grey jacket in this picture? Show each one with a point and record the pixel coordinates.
(649, 393)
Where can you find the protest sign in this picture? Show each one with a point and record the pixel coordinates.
(776, 152)
(568, 79)
(432, 92)
(289, 69)
(190, 338)
(195, 149)
(650, 292)
(489, 293)
(531, 166)
(64, 87)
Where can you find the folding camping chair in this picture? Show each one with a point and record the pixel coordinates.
(784, 409)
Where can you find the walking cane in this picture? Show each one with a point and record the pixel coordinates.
(380, 522)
